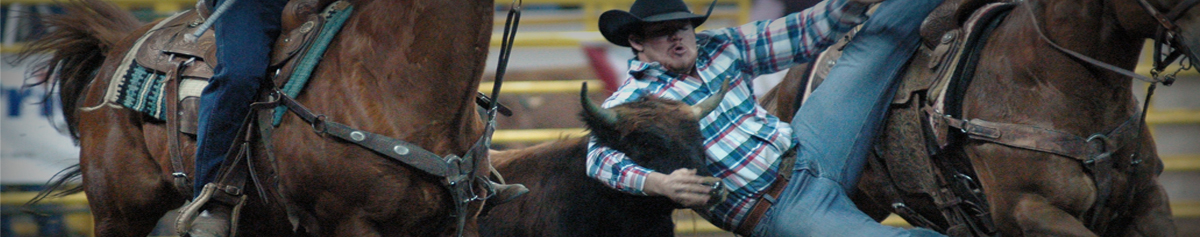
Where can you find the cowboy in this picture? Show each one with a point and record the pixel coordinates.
(244, 34)
(829, 137)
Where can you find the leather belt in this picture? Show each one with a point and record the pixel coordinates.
(767, 199)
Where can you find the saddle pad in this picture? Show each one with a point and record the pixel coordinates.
(142, 89)
(141, 80)
(137, 87)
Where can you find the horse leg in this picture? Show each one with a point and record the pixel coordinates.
(126, 190)
(1036, 216)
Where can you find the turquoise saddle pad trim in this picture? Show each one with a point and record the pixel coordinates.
(142, 90)
(309, 61)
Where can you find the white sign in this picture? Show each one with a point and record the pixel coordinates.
(34, 144)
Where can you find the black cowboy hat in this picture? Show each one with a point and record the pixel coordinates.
(616, 25)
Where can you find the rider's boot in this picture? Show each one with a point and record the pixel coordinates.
(212, 214)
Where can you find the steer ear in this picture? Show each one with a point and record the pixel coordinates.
(607, 116)
(708, 105)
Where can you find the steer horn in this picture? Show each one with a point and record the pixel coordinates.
(708, 105)
(606, 115)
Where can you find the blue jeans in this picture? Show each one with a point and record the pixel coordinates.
(835, 129)
(244, 36)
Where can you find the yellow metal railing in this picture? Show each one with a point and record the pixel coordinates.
(539, 87)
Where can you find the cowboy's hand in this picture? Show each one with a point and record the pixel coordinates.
(682, 186)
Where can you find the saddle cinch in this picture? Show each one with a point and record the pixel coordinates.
(951, 37)
(167, 69)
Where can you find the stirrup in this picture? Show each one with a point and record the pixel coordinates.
(211, 192)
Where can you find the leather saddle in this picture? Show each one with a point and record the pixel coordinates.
(172, 65)
(907, 146)
(188, 62)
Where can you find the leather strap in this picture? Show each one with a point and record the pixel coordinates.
(1182, 7)
(769, 196)
(898, 205)
(179, 175)
(760, 208)
(395, 149)
(1041, 139)
(1168, 20)
(485, 102)
(1038, 28)
(1167, 35)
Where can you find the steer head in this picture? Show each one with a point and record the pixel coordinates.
(659, 134)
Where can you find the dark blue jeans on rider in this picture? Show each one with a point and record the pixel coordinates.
(244, 36)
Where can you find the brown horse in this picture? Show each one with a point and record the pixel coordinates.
(1023, 89)
(402, 69)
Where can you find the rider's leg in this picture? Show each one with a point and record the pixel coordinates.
(836, 127)
(244, 35)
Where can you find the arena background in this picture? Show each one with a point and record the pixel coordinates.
(557, 48)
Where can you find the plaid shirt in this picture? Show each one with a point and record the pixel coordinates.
(743, 142)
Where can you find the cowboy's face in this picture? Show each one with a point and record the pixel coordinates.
(670, 43)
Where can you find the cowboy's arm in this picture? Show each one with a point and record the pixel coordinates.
(777, 44)
(612, 168)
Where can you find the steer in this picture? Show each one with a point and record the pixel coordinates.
(659, 134)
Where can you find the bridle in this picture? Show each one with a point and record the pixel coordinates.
(1168, 36)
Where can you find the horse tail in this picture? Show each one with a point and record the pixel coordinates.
(76, 43)
(69, 175)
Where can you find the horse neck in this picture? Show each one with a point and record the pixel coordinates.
(417, 66)
(1091, 28)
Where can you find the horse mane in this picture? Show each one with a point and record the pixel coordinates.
(76, 50)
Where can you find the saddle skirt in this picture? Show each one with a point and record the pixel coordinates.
(167, 69)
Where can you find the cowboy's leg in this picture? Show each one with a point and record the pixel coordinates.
(244, 35)
(836, 126)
